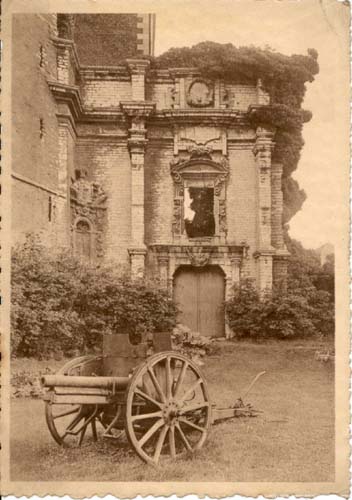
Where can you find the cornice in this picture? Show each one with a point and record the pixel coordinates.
(210, 116)
(70, 95)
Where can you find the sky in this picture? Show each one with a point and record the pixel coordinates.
(289, 27)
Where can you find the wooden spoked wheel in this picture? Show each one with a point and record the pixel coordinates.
(68, 423)
(168, 410)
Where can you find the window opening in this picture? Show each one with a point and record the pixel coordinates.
(50, 208)
(199, 212)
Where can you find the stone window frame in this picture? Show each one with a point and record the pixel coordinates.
(200, 172)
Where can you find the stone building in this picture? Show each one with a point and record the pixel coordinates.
(156, 169)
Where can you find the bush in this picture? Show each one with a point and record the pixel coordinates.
(300, 313)
(60, 305)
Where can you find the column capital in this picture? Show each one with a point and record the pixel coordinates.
(137, 109)
(138, 66)
(137, 251)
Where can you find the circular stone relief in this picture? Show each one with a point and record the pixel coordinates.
(200, 93)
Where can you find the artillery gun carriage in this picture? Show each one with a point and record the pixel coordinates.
(160, 401)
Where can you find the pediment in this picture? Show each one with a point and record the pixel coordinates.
(200, 166)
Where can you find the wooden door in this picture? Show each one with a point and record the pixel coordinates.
(199, 294)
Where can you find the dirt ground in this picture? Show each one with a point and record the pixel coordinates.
(292, 440)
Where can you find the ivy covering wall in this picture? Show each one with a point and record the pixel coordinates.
(283, 77)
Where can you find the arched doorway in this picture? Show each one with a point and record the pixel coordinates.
(199, 293)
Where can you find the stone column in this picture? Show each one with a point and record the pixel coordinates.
(262, 151)
(137, 112)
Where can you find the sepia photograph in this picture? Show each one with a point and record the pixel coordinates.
(176, 234)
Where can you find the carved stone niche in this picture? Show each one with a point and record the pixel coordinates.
(199, 174)
(88, 203)
(200, 93)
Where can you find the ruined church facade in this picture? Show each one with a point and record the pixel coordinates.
(159, 170)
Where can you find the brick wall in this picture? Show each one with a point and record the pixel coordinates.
(159, 193)
(109, 164)
(241, 96)
(105, 39)
(241, 202)
(103, 94)
(34, 126)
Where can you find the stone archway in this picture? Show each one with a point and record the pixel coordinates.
(199, 293)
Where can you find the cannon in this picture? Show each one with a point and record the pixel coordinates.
(160, 400)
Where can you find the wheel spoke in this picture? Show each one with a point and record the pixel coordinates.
(151, 432)
(191, 389)
(160, 443)
(76, 420)
(156, 384)
(172, 442)
(94, 430)
(181, 378)
(143, 416)
(191, 424)
(183, 437)
(168, 378)
(194, 407)
(147, 397)
(83, 431)
(66, 412)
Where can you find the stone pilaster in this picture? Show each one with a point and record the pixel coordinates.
(62, 203)
(262, 151)
(138, 68)
(163, 264)
(137, 261)
(137, 113)
(277, 237)
(236, 269)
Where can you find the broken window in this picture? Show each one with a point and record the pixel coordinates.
(199, 212)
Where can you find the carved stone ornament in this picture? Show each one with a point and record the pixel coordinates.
(200, 151)
(200, 93)
(198, 259)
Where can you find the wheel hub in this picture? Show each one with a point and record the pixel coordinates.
(171, 412)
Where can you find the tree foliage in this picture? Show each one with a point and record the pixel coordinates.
(306, 310)
(284, 77)
(62, 305)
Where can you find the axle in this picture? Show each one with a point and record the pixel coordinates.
(115, 383)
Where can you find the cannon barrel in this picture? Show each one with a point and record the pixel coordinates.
(118, 383)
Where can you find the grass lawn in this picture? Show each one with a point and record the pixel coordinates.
(293, 440)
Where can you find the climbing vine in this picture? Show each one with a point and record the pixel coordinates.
(283, 77)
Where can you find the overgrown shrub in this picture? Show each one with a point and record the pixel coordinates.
(283, 77)
(302, 312)
(61, 305)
